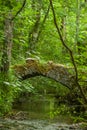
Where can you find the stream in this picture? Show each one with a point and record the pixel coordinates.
(9, 124)
(35, 113)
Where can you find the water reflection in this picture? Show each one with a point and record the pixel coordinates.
(37, 105)
(39, 111)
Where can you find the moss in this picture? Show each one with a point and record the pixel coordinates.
(43, 68)
(40, 67)
(19, 68)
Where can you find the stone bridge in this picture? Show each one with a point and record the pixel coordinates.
(57, 72)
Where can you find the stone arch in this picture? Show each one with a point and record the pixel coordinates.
(57, 72)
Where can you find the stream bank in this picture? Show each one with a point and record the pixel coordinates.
(36, 124)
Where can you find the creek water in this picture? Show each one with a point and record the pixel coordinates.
(36, 113)
(38, 107)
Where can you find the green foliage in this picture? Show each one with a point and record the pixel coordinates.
(61, 110)
(48, 46)
(77, 119)
(27, 87)
(9, 89)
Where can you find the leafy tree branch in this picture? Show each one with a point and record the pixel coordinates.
(43, 22)
(24, 2)
(69, 50)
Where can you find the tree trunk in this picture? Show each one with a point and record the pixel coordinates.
(77, 47)
(7, 44)
(33, 33)
(63, 32)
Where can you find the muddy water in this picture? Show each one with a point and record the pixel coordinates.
(35, 113)
(38, 107)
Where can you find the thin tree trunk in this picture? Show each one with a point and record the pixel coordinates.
(63, 31)
(37, 28)
(77, 46)
(7, 44)
(33, 33)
